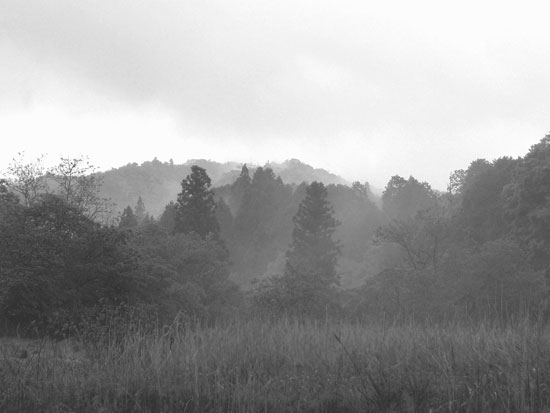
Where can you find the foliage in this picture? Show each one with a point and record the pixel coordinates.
(196, 207)
(27, 178)
(73, 179)
(306, 287)
(140, 211)
(494, 281)
(54, 262)
(262, 224)
(312, 249)
(240, 189)
(168, 218)
(480, 249)
(359, 218)
(422, 238)
(526, 203)
(80, 186)
(191, 273)
(481, 216)
(403, 198)
(128, 219)
(225, 219)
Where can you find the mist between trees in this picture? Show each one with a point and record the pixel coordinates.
(260, 295)
(260, 246)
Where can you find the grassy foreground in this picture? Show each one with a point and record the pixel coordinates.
(285, 366)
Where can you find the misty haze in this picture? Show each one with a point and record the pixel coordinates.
(274, 206)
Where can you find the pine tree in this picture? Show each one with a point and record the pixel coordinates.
(261, 224)
(140, 210)
(168, 218)
(240, 189)
(128, 219)
(313, 254)
(196, 207)
(307, 286)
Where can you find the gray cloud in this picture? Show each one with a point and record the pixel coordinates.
(301, 73)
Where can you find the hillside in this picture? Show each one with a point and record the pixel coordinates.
(158, 182)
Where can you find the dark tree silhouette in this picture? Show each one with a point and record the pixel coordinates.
(196, 207)
(128, 219)
(313, 252)
(306, 287)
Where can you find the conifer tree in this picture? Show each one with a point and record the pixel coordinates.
(240, 189)
(225, 219)
(196, 207)
(140, 210)
(313, 254)
(307, 286)
(128, 219)
(168, 218)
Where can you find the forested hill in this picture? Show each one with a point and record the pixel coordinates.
(157, 182)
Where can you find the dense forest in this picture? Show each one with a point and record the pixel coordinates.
(260, 245)
(258, 248)
(157, 182)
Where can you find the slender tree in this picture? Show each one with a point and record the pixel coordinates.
(313, 253)
(140, 210)
(307, 285)
(241, 187)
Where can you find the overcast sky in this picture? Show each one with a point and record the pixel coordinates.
(365, 89)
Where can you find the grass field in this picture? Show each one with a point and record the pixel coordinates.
(285, 366)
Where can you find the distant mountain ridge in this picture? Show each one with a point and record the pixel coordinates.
(294, 171)
(158, 182)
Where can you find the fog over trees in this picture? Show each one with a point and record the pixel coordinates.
(262, 245)
(76, 267)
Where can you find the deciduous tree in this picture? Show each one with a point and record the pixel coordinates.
(27, 178)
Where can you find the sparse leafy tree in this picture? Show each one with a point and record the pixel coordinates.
(80, 186)
(422, 238)
(27, 178)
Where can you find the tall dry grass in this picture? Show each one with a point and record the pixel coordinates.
(285, 366)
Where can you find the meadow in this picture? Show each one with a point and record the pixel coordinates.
(284, 366)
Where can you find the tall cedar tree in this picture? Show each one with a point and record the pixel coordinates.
(241, 187)
(128, 219)
(140, 211)
(313, 254)
(196, 207)
(305, 289)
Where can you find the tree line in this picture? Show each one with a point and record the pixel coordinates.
(258, 245)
